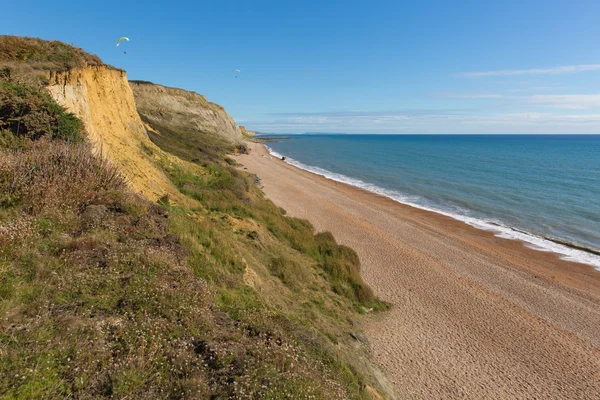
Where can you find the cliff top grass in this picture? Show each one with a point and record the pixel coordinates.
(43, 54)
(29, 60)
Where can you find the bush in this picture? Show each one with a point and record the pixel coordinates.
(342, 266)
(31, 114)
(55, 174)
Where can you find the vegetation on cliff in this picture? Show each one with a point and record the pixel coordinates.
(27, 114)
(43, 54)
(202, 125)
(105, 294)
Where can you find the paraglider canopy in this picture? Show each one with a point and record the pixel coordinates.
(236, 71)
(124, 38)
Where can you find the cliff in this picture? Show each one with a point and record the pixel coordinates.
(178, 109)
(246, 132)
(212, 293)
(102, 99)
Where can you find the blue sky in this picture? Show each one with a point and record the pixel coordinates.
(350, 66)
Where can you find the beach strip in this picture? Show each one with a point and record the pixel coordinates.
(473, 315)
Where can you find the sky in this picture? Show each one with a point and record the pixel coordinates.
(527, 66)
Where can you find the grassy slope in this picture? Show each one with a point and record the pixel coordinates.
(304, 278)
(105, 294)
(44, 54)
(182, 135)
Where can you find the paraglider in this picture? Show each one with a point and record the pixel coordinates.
(236, 71)
(122, 39)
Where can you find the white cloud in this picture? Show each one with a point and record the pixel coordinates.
(524, 122)
(537, 119)
(565, 69)
(493, 113)
(452, 95)
(534, 89)
(564, 101)
(567, 101)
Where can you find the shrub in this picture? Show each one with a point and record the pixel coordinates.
(55, 174)
(342, 266)
(29, 113)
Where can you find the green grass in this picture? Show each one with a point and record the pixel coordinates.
(305, 279)
(188, 144)
(28, 114)
(223, 190)
(99, 297)
(104, 294)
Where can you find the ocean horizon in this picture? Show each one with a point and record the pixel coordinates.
(543, 190)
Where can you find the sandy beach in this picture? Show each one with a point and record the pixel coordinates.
(473, 315)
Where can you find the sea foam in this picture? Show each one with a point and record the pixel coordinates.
(531, 240)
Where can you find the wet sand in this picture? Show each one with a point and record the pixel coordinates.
(473, 315)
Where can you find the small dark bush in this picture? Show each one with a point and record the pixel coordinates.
(242, 148)
(30, 113)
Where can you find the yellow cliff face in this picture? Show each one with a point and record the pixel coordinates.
(246, 131)
(102, 99)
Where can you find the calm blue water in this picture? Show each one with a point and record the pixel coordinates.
(544, 186)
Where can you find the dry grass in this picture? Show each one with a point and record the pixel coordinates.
(27, 61)
(43, 54)
(55, 174)
(97, 300)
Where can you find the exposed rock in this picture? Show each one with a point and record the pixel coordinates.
(246, 131)
(171, 107)
(102, 99)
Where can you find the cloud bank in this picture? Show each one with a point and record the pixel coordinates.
(431, 122)
(565, 69)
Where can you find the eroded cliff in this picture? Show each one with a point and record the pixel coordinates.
(102, 98)
(178, 109)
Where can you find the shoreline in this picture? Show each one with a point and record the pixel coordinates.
(473, 314)
(564, 249)
(443, 219)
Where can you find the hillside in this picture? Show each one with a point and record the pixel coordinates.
(114, 126)
(246, 133)
(204, 126)
(137, 265)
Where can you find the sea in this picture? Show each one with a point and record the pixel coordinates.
(543, 190)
